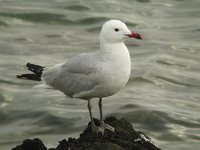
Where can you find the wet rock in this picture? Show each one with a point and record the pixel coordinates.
(35, 144)
(124, 138)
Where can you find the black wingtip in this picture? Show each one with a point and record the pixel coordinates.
(36, 75)
(19, 76)
(28, 64)
(29, 76)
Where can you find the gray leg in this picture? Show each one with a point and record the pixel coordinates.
(100, 109)
(93, 126)
(104, 125)
(90, 112)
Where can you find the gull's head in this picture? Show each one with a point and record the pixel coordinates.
(116, 31)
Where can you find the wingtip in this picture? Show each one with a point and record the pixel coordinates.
(19, 76)
(28, 64)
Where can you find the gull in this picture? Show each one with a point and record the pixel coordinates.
(92, 75)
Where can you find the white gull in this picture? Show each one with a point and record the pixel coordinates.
(92, 75)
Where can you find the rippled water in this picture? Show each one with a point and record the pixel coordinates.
(162, 97)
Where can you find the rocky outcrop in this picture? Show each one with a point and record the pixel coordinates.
(124, 138)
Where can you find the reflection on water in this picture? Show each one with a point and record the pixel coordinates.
(161, 98)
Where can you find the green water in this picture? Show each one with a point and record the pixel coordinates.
(163, 94)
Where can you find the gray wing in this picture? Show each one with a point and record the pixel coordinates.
(77, 75)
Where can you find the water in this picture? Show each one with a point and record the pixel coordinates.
(162, 97)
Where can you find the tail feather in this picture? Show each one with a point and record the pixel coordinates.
(36, 75)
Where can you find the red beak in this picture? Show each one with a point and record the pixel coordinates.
(135, 35)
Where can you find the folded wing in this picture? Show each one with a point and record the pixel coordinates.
(75, 76)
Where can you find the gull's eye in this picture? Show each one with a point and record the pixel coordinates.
(116, 29)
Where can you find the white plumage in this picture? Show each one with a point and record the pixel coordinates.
(93, 75)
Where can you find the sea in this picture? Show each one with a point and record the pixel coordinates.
(161, 99)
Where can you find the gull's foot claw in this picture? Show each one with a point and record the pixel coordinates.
(96, 129)
(107, 126)
(99, 130)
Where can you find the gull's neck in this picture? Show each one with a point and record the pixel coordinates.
(115, 52)
(113, 47)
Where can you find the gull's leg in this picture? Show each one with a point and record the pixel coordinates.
(90, 112)
(94, 127)
(100, 109)
(104, 125)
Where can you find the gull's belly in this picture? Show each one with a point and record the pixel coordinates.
(115, 75)
(114, 82)
(111, 81)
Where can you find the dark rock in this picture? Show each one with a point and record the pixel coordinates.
(124, 138)
(35, 144)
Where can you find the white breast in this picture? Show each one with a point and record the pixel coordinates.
(116, 69)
